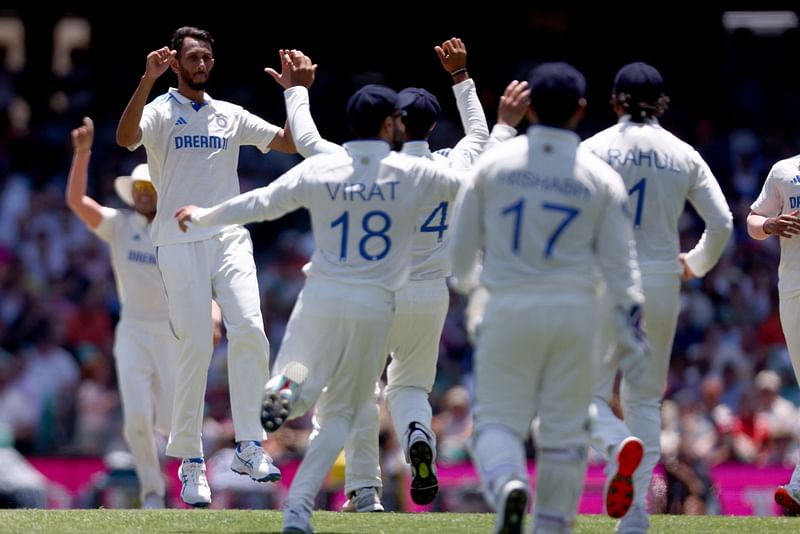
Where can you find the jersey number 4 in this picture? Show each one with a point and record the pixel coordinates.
(517, 210)
(428, 225)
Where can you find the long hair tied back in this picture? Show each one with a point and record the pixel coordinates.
(639, 111)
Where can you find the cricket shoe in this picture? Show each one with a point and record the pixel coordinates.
(512, 508)
(619, 476)
(363, 500)
(297, 519)
(279, 394)
(254, 461)
(634, 522)
(421, 455)
(194, 484)
(788, 498)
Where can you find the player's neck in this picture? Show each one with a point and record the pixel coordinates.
(195, 95)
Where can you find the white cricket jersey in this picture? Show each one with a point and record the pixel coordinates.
(193, 156)
(781, 194)
(660, 173)
(363, 202)
(430, 259)
(133, 259)
(546, 213)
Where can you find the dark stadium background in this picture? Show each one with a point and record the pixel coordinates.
(721, 83)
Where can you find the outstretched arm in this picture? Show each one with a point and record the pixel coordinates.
(453, 56)
(85, 207)
(513, 105)
(299, 76)
(128, 131)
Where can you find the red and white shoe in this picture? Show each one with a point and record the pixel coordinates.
(619, 479)
(788, 498)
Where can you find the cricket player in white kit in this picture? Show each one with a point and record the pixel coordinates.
(421, 305)
(363, 202)
(192, 143)
(547, 214)
(775, 212)
(661, 173)
(145, 351)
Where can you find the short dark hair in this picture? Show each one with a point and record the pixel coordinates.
(556, 91)
(368, 108)
(189, 31)
(421, 111)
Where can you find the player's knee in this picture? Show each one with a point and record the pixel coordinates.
(137, 425)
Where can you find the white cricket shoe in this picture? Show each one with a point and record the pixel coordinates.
(421, 454)
(254, 461)
(512, 508)
(279, 394)
(363, 500)
(634, 522)
(788, 498)
(619, 476)
(194, 484)
(153, 501)
(296, 519)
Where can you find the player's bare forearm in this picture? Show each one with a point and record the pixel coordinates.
(784, 225)
(128, 131)
(158, 61)
(85, 207)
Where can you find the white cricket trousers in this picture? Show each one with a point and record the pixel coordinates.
(641, 400)
(146, 355)
(534, 358)
(420, 311)
(789, 306)
(339, 332)
(221, 267)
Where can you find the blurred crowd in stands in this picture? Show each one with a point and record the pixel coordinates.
(732, 395)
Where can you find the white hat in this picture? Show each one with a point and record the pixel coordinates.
(124, 184)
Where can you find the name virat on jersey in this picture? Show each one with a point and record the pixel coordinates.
(361, 191)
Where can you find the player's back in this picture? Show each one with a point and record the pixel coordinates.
(363, 204)
(543, 199)
(659, 171)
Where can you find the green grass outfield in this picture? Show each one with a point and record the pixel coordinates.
(268, 521)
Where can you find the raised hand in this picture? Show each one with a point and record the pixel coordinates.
(158, 61)
(452, 54)
(296, 69)
(82, 136)
(514, 103)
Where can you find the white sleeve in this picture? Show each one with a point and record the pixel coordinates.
(616, 248)
(304, 132)
(149, 124)
(706, 197)
(263, 204)
(257, 132)
(769, 203)
(106, 229)
(500, 134)
(468, 235)
(473, 120)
